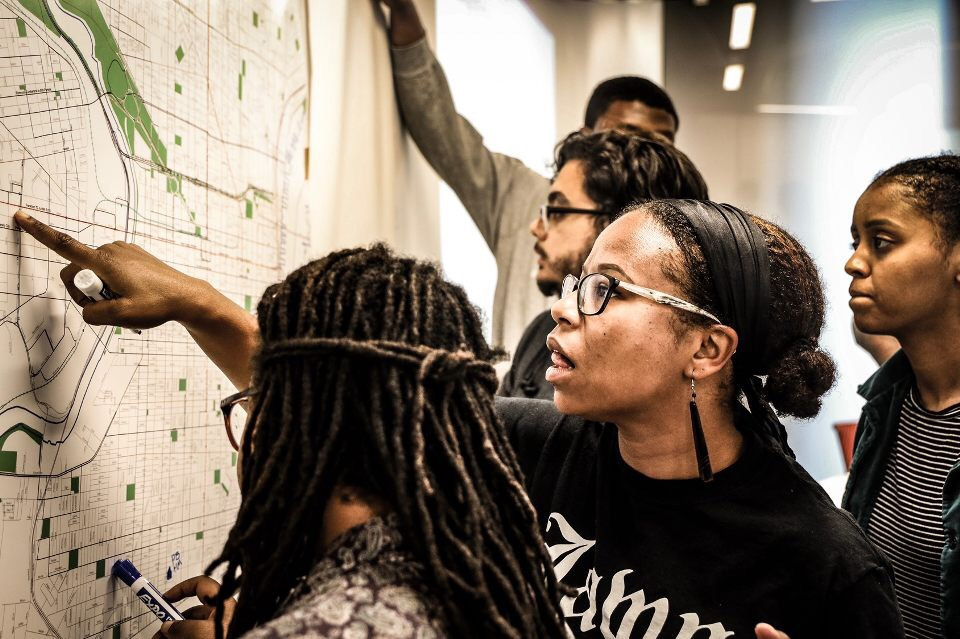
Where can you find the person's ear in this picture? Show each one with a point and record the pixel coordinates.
(718, 343)
(585, 130)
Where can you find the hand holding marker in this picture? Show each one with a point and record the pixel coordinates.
(145, 591)
(94, 288)
(151, 293)
(147, 292)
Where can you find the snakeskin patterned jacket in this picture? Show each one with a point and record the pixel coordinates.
(366, 587)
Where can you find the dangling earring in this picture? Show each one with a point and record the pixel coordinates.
(699, 441)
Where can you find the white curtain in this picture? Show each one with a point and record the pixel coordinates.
(367, 180)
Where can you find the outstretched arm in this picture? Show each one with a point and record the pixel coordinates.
(151, 293)
(499, 192)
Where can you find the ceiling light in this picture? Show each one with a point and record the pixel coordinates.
(741, 25)
(732, 77)
(807, 109)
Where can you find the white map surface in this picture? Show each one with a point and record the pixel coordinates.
(180, 125)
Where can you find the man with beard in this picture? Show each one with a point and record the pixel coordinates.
(500, 192)
(597, 175)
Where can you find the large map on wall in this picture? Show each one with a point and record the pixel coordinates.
(180, 125)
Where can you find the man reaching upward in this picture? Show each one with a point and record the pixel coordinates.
(500, 193)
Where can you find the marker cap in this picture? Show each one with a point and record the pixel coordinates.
(126, 571)
(87, 280)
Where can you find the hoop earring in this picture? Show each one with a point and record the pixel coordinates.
(699, 440)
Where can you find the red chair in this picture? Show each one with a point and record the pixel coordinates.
(847, 432)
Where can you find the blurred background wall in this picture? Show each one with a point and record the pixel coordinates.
(831, 94)
(368, 180)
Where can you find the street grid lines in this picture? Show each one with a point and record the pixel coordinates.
(180, 126)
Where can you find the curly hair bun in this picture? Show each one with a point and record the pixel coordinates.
(798, 379)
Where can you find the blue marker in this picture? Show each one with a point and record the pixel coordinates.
(146, 591)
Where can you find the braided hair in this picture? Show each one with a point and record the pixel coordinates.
(373, 374)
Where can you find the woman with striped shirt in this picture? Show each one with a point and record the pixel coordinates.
(904, 485)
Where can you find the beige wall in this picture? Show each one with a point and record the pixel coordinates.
(367, 179)
(595, 41)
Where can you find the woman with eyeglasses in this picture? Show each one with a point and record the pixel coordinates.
(662, 477)
(669, 508)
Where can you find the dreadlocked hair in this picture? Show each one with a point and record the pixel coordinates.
(373, 374)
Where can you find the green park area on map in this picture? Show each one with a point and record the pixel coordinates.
(124, 97)
(8, 458)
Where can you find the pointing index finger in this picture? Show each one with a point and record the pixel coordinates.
(58, 242)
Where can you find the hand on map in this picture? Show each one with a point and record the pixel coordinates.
(766, 631)
(149, 291)
(200, 620)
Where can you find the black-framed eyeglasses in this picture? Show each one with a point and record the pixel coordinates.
(550, 214)
(236, 411)
(594, 291)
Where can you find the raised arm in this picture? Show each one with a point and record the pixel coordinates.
(151, 293)
(497, 190)
(405, 25)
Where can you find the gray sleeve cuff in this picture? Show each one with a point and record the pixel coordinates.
(412, 59)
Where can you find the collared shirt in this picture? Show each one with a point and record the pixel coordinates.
(367, 587)
(907, 521)
(531, 358)
(885, 392)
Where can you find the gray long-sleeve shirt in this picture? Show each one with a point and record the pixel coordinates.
(500, 192)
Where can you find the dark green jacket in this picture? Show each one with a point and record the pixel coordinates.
(885, 392)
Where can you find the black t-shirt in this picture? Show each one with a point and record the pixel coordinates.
(526, 377)
(692, 560)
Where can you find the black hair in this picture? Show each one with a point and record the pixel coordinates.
(397, 404)
(798, 372)
(628, 165)
(628, 88)
(934, 184)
